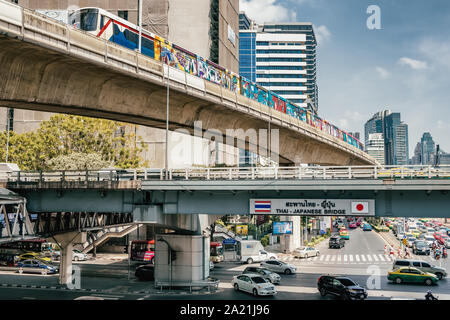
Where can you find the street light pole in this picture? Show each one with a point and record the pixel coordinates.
(167, 122)
(140, 25)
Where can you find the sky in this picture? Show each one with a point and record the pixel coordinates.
(404, 66)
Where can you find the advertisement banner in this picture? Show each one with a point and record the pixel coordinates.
(242, 229)
(313, 207)
(282, 227)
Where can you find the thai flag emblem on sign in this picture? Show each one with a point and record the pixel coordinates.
(263, 206)
(360, 207)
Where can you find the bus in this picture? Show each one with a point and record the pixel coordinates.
(216, 252)
(143, 250)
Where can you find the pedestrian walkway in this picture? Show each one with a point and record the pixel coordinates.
(343, 259)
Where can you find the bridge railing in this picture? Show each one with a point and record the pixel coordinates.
(234, 173)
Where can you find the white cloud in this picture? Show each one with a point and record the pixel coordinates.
(384, 74)
(437, 51)
(267, 11)
(322, 34)
(415, 64)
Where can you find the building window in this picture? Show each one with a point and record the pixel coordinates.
(123, 14)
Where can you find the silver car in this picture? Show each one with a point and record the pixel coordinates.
(264, 273)
(254, 284)
(278, 266)
(306, 252)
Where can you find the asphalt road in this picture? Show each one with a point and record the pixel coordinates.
(362, 259)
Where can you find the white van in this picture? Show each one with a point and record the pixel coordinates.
(250, 251)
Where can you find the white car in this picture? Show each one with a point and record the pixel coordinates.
(278, 266)
(254, 284)
(306, 252)
(429, 239)
(77, 255)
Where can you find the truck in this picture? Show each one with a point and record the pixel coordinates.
(249, 251)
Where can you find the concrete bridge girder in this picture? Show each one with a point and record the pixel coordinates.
(44, 79)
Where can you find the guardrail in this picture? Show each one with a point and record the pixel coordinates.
(235, 173)
(200, 284)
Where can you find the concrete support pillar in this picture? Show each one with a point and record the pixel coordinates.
(66, 242)
(288, 243)
(191, 263)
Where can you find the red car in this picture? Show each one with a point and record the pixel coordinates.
(443, 238)
(358, 223)
(352, 225)
(439, 236)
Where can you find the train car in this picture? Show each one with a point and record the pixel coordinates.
(105, 25)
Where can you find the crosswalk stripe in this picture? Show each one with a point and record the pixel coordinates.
(339, 258)
(328, 258)
(351, 258)
(369, 257)
(345, 257)
(357, 257)
(375, 257)
(333, 258)
(321, 258)
(363, 258)
(381, 257)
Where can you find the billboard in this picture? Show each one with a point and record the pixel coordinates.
(282, 227)
(313, 207)
(242, 229)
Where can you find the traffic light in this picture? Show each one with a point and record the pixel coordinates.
(173, 255)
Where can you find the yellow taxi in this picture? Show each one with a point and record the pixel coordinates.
(34, 255)
(410, 274)
(416, 233)
(344, 234)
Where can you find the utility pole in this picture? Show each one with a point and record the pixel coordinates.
(140, 24)
(167, 122)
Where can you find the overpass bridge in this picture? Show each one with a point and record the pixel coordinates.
(191, 199)
(49, 66)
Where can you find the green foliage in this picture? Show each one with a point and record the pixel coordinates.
(64, 135)
(78, 161)
(265, 240)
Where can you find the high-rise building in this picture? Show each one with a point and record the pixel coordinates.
(395, 133)
(375, 146)
(428, 149)
(209, 28)
(416, 159)
(282, 58)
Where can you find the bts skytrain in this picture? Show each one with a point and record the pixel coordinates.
(105, 25)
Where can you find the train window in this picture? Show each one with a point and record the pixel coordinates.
(85, 19)
(148, 47)
(102, 22)
(131, 36)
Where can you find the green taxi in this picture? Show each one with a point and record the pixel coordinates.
(413, 275)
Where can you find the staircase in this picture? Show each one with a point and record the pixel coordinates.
(99, 237)
(221, 231)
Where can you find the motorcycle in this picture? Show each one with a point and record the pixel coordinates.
(444, 254)
(430, 296)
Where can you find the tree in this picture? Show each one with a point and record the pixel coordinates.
(63, 135)
(78, 161)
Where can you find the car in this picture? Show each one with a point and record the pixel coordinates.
(410, 241)
(336, 242)
(421, 247)
(254, 284)
(145, 272)
(341, 226)
(438, 237)
(367, 227)
(421, 265)
(36, 266)
(415, 233)
(447, 243)
(430, 240)
(443, 238)
(306, 252)
(410, 274)
(352, 225)
(265, 273)
(278, 266)
(342, 287)
(77, 255)
(344, 234)
(358, 223)
(34, 256)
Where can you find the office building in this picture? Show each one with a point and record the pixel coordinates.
(416, 159)
(282, 58)
(395, 134)
(428, 149)
(375, 147)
